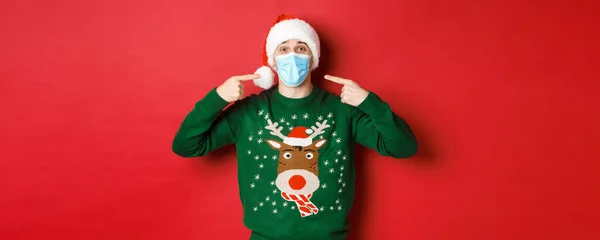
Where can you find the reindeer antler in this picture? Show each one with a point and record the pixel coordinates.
(276, 131)
(319, 129)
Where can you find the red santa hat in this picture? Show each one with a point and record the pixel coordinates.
(286, 27)
(299, 137)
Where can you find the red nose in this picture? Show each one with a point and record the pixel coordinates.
(297, 182)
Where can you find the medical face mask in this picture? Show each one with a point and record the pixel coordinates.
(292, 68)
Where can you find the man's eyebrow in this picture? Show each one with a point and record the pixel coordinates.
(284, 42)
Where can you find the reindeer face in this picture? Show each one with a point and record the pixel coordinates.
(298, 157)
(298, 168)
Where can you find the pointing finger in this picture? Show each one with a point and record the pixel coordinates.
(338, 80)
(246, 77)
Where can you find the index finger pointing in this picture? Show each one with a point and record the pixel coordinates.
(246, 77)
(338, 80)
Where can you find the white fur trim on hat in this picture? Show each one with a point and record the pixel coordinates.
(293, 29)
(292, 141)
(266, 77)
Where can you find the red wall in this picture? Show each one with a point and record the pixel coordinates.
(503, 96)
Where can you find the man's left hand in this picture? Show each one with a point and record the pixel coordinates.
(352, 93)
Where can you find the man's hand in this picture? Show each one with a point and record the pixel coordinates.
(233, 89)
(352, 93)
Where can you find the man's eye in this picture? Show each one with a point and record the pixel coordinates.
(283, 49)
(301, 49)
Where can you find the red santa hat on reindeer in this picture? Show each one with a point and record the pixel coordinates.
(286, 27)
(299, 137)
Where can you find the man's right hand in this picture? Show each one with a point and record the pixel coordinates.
(233, 89)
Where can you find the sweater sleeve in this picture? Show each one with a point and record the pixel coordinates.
(376, 126)
(206, 127)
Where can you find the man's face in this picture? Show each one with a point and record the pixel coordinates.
(293, 46)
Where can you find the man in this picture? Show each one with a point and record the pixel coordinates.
(295, 141)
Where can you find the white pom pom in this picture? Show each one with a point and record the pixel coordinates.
(266, 77)
(309, 131)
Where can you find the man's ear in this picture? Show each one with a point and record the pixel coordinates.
(319, 143)
(277, 145)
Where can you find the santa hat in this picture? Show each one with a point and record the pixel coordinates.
(299, 137)
(286, 27)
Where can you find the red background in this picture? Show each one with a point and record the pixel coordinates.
(503, 96)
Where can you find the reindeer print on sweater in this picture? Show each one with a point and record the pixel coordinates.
(297, 171)
(296, 167)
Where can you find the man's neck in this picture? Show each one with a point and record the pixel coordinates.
(300, 91)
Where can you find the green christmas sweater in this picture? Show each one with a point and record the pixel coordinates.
(295, 156)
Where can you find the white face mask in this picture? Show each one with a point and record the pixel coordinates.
(292, 68)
